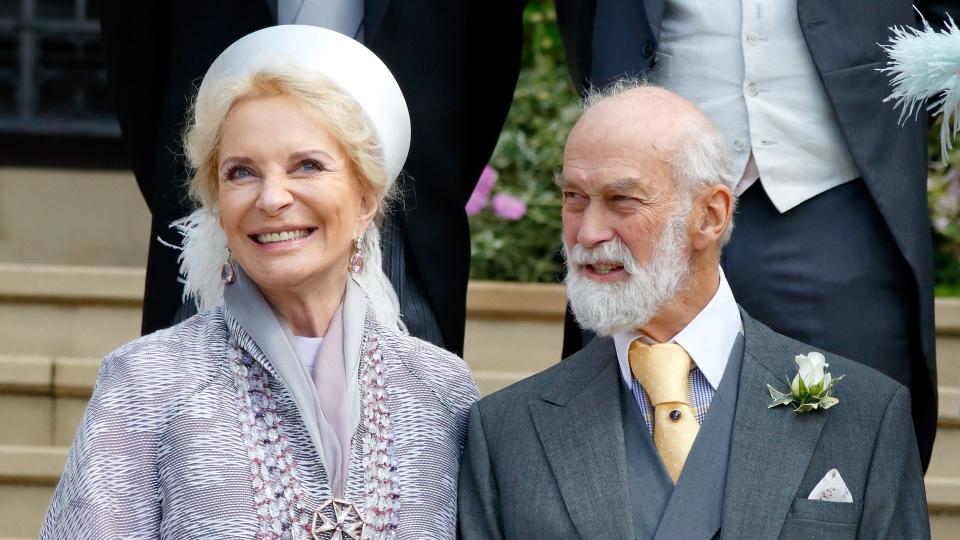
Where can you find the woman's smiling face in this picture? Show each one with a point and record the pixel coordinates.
(290, 203)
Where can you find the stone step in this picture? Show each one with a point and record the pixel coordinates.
(512, 329)
(42, 399)
(28, 476)
(944, 526)
(114, 230)
(22, 508)
(947, 316)
(57, 310)
(85, 311)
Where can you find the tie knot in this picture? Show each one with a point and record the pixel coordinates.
(662, 369)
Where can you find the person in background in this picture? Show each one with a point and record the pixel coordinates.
(293, 406)
(457, 63)
(833, 243)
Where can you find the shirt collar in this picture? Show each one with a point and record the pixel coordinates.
(708, 338)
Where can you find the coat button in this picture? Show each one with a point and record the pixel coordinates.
(675, 415)
(647, 49)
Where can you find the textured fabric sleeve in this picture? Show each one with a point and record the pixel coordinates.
(448, 378)
(109, 487)
(895, 502)
(478, 501)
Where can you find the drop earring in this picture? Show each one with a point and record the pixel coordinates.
(356, 261)
(228, 274)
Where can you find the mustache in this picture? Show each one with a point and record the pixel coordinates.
(611, 251)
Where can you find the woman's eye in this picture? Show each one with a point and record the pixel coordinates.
(238, 172)
(311, 165)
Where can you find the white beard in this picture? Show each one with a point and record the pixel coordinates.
(622, 307)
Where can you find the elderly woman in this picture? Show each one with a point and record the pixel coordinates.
(293, 405)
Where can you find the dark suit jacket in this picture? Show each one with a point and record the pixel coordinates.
(843, 40)
(545, 457)
(457, 64)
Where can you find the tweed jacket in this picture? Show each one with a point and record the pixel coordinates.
(190, 433)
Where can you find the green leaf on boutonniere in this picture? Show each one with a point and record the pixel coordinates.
(811, 388)
(779, 398)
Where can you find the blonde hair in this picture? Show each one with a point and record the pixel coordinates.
(341, 115)
(204, 240)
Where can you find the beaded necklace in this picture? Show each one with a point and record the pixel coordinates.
(278, 490)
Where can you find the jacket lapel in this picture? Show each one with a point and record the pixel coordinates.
(770, 449)
(373, 11)
(654, 16)
(580, 426)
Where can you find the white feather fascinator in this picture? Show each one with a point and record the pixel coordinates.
(924, 66)
(203, 253)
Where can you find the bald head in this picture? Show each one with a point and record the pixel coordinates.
(640, 120)
(640, 113)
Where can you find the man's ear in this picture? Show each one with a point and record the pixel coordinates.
(712, 214)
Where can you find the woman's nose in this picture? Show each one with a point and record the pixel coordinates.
(274, 195)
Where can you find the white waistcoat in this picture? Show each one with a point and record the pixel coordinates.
(745, 63)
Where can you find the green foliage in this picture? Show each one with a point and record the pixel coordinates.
(530, 152)
(943, 189)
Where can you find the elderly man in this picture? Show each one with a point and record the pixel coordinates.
(833, 243)
(663, 427)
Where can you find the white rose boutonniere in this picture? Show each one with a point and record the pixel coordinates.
(811, 388)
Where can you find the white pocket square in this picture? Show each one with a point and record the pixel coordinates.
(831, 488)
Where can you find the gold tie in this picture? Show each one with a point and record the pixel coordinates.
(663, 371)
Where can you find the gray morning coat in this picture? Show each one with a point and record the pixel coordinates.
(565, 454)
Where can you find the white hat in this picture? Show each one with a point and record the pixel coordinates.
(350, 65)
(360, 74)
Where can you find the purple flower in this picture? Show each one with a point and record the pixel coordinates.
(508, 206)
(940, 224)
(478, 199)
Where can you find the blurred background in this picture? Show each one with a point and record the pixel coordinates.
(74, 232)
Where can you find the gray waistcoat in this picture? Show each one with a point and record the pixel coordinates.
(692, 509)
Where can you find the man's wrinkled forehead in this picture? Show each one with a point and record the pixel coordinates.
(634, 184)
(646, 120)
(622, 166)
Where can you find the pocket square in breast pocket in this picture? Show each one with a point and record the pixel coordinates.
(831, 488)
(819, 519)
